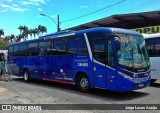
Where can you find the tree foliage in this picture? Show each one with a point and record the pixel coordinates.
(24, 33)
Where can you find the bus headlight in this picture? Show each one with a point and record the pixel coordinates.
(125, 76)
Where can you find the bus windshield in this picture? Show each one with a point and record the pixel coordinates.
(131, 51)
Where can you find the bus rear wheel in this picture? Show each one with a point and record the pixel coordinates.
(83, 83)
(26, 76)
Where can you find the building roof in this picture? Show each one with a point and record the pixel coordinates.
(127, 21)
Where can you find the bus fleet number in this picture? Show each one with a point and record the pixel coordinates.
(82, 64)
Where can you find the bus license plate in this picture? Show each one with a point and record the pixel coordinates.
(141, 85)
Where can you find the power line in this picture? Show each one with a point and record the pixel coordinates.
(141, 6)
(148, 4)
(94, 11)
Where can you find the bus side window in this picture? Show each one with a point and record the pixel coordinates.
(10, 50)
(157, 46)
(23, 50)
(151, 47)
(72, 46)
(95, 36)
(82, 46)
(110, 54)
(52, 52)
(45, 48)
(99, 51)
(32, 47)
(16, 50)
(60, 46)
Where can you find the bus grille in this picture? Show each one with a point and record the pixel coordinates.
(140, 79)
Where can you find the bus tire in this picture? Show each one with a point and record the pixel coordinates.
(83, 83)
(26, 76)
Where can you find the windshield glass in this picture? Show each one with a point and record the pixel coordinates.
(131, 51)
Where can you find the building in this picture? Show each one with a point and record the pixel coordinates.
(144, 22)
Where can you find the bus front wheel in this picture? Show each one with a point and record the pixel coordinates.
(83, 83)
(26, 76)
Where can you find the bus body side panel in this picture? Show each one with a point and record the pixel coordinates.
(14, 66)
(59, 68)
(17, 65)
(104, 77)
(83, 64)
(70, 69)
(64, 68)
(100, 77)
(32, 66)
(47, 67)
(152, 43)
(111, 79)
(22, 63)
(155, 67)
(44, 68)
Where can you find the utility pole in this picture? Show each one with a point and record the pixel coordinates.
(58, 26)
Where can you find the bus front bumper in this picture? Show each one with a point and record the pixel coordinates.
(126, 85)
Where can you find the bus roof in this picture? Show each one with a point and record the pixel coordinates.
(57, 33)
(109, 30)
(52, 35)
(151, 35)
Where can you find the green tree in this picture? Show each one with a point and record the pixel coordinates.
(12, 37)
(6, 38)
(42, 29)
(3, 45)
(24, 31)
(31, 32)
(35, 32)
(19, 37)
(20, 28)
(1, 32)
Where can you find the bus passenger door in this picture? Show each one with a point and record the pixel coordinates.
(110, 66)
(99, 58)
(103, 64)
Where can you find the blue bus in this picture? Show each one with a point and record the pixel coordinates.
(108, 58)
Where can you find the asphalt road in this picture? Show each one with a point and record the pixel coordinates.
(42, 92)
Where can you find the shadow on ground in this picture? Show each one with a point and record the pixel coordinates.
(155, 84)
(95, 93)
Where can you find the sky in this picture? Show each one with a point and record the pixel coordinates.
(14, 13)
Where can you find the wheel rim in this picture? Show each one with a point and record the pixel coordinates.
(26, 76)
(84, 83)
